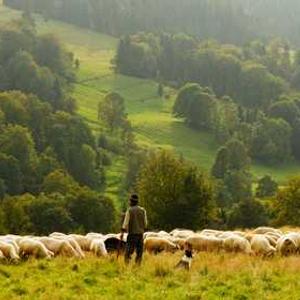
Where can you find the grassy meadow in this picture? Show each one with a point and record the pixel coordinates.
(223, 276)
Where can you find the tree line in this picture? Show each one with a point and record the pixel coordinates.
(233, 21)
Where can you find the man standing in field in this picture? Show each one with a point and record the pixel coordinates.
(135, 223)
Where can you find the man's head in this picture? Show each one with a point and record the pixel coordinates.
(134, 200)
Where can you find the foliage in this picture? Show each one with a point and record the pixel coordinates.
(196, 106)
(174, 193)
(247, 214)
(267, 187)
(111, 111)
(286, 204)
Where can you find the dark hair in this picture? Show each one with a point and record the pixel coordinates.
(134, 199)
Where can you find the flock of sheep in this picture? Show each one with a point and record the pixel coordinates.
(264, 241)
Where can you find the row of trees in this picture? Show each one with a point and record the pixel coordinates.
(230, 20)
(62, 206)
(253, 75)
(176, 194)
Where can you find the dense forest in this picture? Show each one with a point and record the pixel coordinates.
(234, 21)
(46, 149)
(242, 90)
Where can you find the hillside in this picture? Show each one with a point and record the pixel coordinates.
(151, 118)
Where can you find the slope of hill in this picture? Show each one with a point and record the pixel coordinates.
(150, 115)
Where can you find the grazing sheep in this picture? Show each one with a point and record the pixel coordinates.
(59, 247)
(263, 230)
(9, 251)
(35, 248)
(12, 242)
(2, 257)
(156, 245)
(94, 235)
(57, 234)
(98, 247)
(204, 243)
(235, 243)
(73, 243)
(181, 233)
(286, 246)
(83, 241)
(260, 245)
(210, 232)
(179, 242)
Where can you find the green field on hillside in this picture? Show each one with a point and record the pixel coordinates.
(213, 276)
(151, 116)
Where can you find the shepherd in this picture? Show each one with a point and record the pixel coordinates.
(135, 224)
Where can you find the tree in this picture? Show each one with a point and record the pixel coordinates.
(221, 164)
(84, 168)
(48, 214)
(272, 141)
(111, 111)
(25, 75)
(267, 187)
(231, 157)
(247, 214)
(11, 176)
(59, 181)
(174, 193)
(285, 109)
(258, 86)
(196, 105)
(16, 218)
(238, 185)
(91, 211)
(287, 204)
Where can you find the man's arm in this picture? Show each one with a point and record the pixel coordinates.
(126, 222)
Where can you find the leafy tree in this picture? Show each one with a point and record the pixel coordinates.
(48, 214)
(285, 109)
(50, 53)
(17, 141)
(267, 187)
(25, 75)
(174, 193)
(10, 175)
(16, 218)
(286, 204)
(258, 87)
(247, 214)
(231, 157)
(196, 105)
(59, 181)
(272, 141)
(91, 211)
(111, 111)
(239, 185)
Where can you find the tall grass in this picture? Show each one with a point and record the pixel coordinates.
(213, 276)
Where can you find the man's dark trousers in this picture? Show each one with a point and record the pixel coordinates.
(135, 242)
